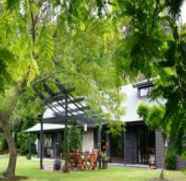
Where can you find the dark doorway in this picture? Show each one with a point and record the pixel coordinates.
(145, 144)
(116, 148)
(139, 144)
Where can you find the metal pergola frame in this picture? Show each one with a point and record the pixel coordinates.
(59, 102)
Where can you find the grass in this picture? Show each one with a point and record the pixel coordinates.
(30, 169)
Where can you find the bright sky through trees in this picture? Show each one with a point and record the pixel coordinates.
(183, 13)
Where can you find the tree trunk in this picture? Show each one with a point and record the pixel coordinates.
(10, 170)
(6, 126)
(162, 176)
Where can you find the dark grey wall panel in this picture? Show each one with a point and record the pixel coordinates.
(130, 146)
(159, 149)
(180, 163)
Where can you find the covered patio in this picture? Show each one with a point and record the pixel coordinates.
(62, 110)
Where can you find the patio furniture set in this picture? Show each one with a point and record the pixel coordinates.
(83, 160)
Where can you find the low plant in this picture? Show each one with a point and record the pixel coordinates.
(170, 160)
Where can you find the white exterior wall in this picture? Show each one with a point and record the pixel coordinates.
(88, 140)
(130, 105)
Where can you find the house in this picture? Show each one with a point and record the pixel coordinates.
(135, 145)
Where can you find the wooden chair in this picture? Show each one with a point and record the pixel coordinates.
(94, 158)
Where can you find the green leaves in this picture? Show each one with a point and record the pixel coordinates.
(170, 55)
(44, 49)
(153, 116)
(12, 4)
(75, 138)
(6, 57)
(156, 48)
(115, 128)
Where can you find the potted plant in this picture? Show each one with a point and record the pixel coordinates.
(57, 164)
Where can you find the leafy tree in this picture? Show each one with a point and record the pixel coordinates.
(75, 138)
(85, 56)
(19, 63)
(85, 52)
(115, 128)
(65, 38)
(154, 46)
(153, 117)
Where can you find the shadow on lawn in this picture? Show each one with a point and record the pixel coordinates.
(16, 178)
(158, 179)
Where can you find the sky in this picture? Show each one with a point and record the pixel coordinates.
(183, 12)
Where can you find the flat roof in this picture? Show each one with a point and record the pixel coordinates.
(46, 127)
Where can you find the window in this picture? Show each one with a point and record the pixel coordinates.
(144, 91)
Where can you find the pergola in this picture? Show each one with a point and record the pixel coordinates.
(58, 98)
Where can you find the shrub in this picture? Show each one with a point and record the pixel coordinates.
(23, 140)
(3, 144)
(75, 138)
(170, 160)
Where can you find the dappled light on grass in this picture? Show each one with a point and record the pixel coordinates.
(158, 179)
(30, 171)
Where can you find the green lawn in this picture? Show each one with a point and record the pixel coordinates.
(31, 170)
